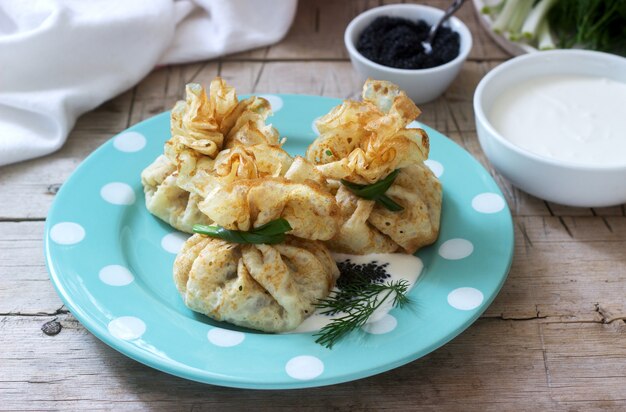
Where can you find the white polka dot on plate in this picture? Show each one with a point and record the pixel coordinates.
(275, 101)
(127, 327)
(488, 203)
(414, 125)
(129, 142)
(455, 249)
(118, 193)
(225, 337)
(384, 325)
(434, 166)
(465, 298)
(172, 242)
(67, 233)
(115, 275)
(314, 126)
(304, 367)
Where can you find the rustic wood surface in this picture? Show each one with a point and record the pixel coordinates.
(554, 339)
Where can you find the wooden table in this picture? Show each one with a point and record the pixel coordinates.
(555, 338)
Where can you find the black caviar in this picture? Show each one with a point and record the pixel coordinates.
(397, 42)
(351, 273)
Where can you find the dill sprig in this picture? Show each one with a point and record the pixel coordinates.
(357, 301)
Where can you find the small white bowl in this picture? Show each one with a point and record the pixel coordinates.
(558, 181)
(421, 85)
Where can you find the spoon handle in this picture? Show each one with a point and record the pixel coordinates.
(456, 4)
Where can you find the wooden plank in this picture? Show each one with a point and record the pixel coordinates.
(27, 188)
(587, 364)
(566, 269)
(316, 33)
(108, 117)
(317, 78)
(170, 81)
(336, 79)
(495, 365)
(24, 285)
(476, 367)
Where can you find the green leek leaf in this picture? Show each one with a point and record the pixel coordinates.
(270, 233)
(376, 191)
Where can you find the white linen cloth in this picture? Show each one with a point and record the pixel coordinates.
(61, 58)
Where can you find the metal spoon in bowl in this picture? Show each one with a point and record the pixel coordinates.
(427, 44)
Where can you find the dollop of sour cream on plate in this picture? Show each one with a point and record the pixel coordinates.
(401, 266)
(575, 118)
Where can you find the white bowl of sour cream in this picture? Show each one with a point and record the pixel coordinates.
(554, 124)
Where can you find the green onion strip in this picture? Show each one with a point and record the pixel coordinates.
(270, 233)
(376, 191)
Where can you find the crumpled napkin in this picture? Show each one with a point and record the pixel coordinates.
(61, 58)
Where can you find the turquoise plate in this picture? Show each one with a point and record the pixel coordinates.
(111, 263)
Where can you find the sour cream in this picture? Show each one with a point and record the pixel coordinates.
(401, 267)
(579, 119)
